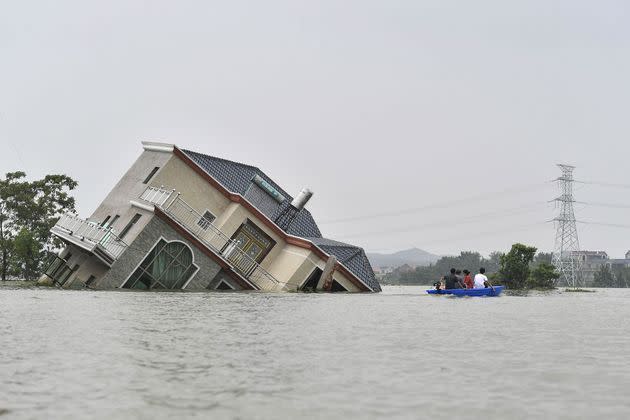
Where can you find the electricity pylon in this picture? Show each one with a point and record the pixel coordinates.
(566, 258)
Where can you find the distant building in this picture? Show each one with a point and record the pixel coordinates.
(591, 262)
(179, 219)
(620, 262)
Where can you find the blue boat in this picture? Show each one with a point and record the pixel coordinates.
(488, 291)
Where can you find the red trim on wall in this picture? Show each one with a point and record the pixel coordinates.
(292, 240)
(199, 245)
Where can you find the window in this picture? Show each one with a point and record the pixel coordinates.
(63, 278)
(169, 265)
(223, 286)
(337, 287)
(57, 267)
(105, 221)
(310, 285)
(132, 222)
(113, 221)
(206, 220)
(153, 172)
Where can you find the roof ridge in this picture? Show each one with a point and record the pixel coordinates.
(222, 159)
(255, 168)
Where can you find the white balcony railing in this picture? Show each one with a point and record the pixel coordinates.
(218, 242)
(91, 234)
(157, 196)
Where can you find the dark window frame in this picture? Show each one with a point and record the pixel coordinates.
(205, 222)
(114, 220)
(129, 225)
(337, 287)
(142, 274)
(311, 282)
(90, 280)
(151, 175)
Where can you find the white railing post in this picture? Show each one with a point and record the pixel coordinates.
(216, 240)
(93, 233)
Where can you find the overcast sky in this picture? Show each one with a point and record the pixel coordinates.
(434, 124)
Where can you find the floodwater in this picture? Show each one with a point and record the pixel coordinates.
(397, 354)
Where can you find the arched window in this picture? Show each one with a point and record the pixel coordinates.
(169, 265)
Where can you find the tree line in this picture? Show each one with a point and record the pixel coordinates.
(521, 267)
(28, 210)
(614, 277)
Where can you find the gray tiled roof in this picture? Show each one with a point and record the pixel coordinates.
(237, 178)
(352, 257)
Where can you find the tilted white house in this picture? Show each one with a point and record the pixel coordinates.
(184, 220)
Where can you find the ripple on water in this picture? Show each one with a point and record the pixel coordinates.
(400, 353)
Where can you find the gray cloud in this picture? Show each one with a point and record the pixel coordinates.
(378, 106)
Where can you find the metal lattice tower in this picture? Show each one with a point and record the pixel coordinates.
(566, 257)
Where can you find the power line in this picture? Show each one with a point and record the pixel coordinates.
(609, 205)
(617, 225)
(451, 222)
(439, 205)
(605, 184)
(480, 235)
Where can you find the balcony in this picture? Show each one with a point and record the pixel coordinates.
(90, 236)
(209, 235)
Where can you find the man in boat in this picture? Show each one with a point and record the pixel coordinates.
(481, 281)
(460, 277)
(452, 281)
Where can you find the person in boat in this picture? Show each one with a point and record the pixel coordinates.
(452, 281)
(460, 277)
(481, 281)
(439, 285)
(468, 281)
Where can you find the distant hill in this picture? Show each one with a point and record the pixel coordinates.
(412, 257)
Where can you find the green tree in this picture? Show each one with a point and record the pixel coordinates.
(543, 257)
(515, 269)
(543, 276)
(493, 263)
(621, 277)
(604, 277)
(30, 209)
(470, 260)
(27, 255)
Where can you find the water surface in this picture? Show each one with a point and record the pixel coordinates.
(397, 354)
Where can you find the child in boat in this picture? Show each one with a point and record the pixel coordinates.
(481, 281)
(468, 281)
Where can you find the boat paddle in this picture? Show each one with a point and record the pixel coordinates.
(491, 286)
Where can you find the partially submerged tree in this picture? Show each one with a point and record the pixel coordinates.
(543, 257)
(515, 264)
(543, 276)
(603, 277)
(28, 210)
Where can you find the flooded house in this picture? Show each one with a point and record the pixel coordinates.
(180, 219)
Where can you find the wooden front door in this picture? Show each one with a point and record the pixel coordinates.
(253, 245)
